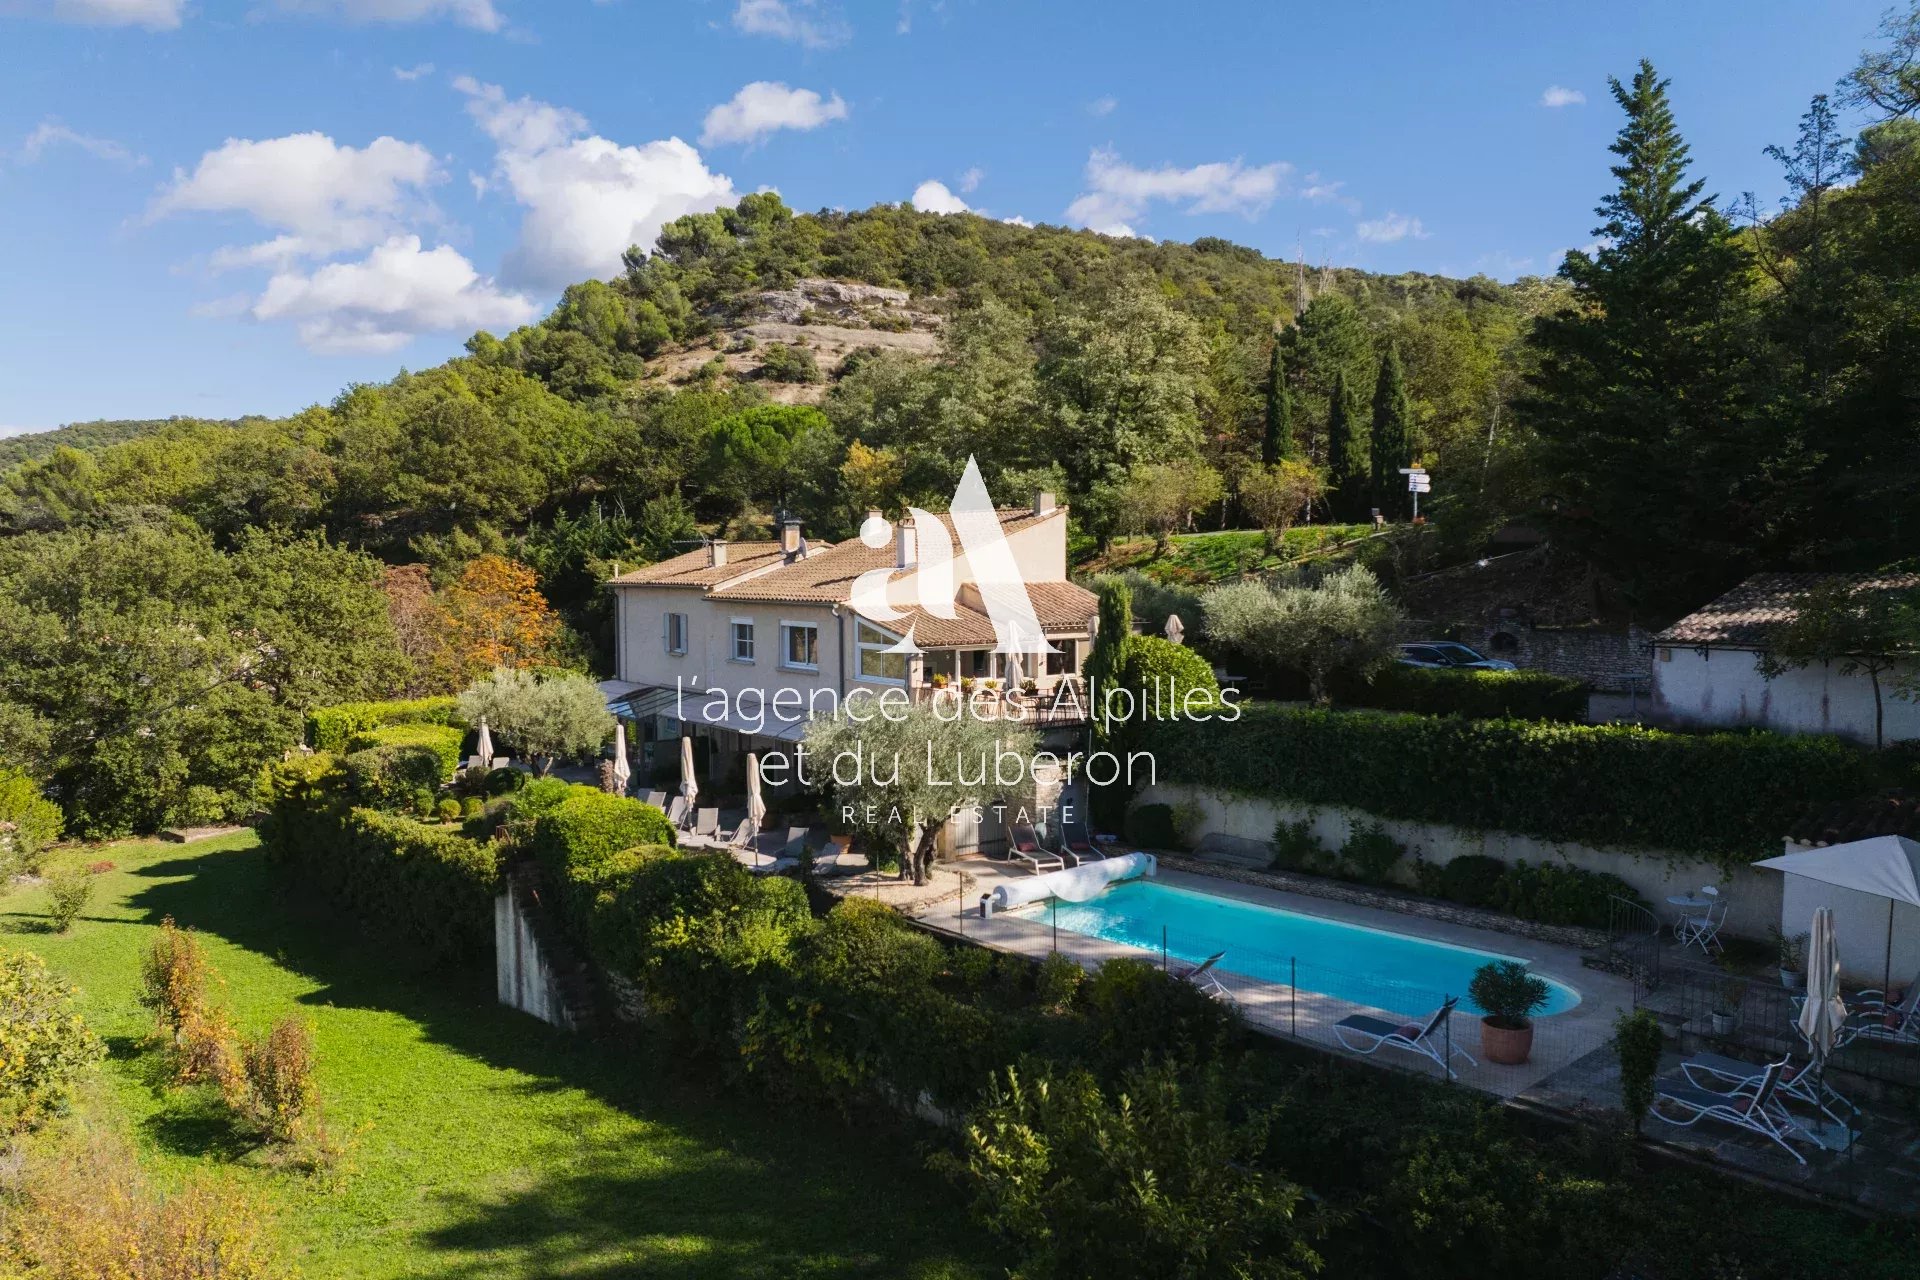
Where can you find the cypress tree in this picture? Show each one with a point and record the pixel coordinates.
(1643, 395)
(1392, 435)
(1278, 441)
(1109, 653)
(1346, 455)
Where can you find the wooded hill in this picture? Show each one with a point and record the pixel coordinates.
(1710, 392)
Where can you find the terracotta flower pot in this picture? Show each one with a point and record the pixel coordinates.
(1508, 1046)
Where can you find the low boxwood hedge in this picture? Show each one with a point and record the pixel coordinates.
(1477, 695)
(331, 728)
(1727, 797)
(443, 740)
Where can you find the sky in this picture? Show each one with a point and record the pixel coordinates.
(220, 207)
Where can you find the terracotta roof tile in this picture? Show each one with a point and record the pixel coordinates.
(692, 569)
(828, 574)
(1746, 616)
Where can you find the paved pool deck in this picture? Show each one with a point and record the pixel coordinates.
(1274, 1005)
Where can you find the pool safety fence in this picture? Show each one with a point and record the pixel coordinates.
(1296, 996)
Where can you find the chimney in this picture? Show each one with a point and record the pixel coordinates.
(716, 553)
(1043, 503)
(906, 545)
(790, 539)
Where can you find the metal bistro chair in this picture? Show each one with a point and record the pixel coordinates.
(1703, 929)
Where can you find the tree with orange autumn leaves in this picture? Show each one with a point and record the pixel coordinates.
(492, 615)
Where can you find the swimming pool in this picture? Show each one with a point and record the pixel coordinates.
(1351, 962)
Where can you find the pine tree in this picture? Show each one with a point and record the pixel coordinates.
(1643, 394)
(1278, 441)
(1392, 435)
(1346, 456)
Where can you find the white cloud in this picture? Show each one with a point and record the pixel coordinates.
(1395, 226)
(1118, 193)
(155, 15)
(970, 180)
(933, 196)
(588, 199)
(1560, 96)
(379, 303)
(51, 133)
(324, 197)
(766, 106)
(418, 72)
(1103, 106)
(801, 22)
(1017, 221)
(478, 14)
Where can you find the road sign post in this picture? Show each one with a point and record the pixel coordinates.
(1417, 484)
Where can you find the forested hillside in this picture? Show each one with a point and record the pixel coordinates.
(79, 435)
(1716, 388)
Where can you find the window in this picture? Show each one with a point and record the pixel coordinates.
(1060, 661)
(1504, 643)
(742, 640)
(876, 663)
(800, 646)
(676, 633)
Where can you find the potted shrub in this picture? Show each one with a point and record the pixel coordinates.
(939, 680)
(1508, 995)
(1793, 958)
(1726, 1006)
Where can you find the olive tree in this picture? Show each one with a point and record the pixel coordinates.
(899, 771)
(1346, 624)
(545, 717)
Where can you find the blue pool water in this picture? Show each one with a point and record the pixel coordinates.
(1367, 966)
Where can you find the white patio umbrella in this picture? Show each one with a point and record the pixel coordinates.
(688, 787)
(483, 748)
(1822, 1016)
(1882, 866)
(1175, 628)
(622, 771)
(756, 803)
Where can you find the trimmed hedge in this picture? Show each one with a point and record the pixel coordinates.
(1722, 796)
(332, 728)
(579, 842)
(391, 777)
(1477, 695)
(429, 884)
(443, 740)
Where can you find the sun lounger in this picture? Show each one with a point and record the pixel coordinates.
(1023, 845)
(1077, 844)
(1366, 1035)
(1804, 1084)
(704, 833)
(1755, 1108)
(1202, 977)
(677, 812)
(658, 799)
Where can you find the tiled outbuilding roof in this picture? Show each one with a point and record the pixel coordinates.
(1746, 616)
(1891, 813)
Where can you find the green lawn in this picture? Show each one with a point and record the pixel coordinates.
(487, 1144)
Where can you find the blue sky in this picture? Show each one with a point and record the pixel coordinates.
(213, 207)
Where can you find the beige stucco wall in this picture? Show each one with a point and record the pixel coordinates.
(1753, 896)
(1725, 687)
(1859, 927)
